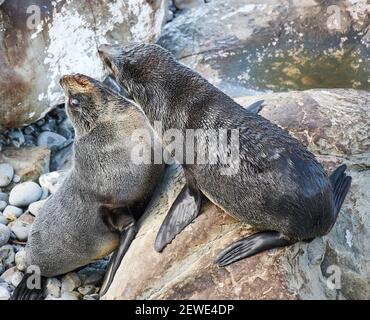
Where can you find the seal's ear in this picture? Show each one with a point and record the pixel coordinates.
(119, 220)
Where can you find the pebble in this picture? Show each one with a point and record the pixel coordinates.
(91, 276)
(4, 235)
(87, 290)
(53, 286)
(4, 197)
(7, 256)
(94, 296)
(12, 276)
(3, 220)
(6, 174)
(51, 140)
(24, 194)
(45, 193)
(65, 296)
(52, 180)
(35, 207)
(4, 293)
(3, 205)
(21, 230)
(12, 211)
(20, 260)
(16, 178)
(70, 282)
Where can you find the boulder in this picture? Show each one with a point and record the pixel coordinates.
(245, 46)
(334, 125)
(41, 40)
(28, 163)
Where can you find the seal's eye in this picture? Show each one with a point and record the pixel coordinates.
(75, 102)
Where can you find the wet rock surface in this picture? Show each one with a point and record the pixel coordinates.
(41, 40)
(331, 267)
(244, 46)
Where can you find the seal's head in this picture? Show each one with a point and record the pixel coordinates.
(138, 65)
(87, 101)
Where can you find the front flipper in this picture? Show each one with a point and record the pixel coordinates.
(23, 292)
(250, 246)
(122, 221)
(183, 211)
(125, 241)
(255, 107)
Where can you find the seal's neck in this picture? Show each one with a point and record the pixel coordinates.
(175, 98)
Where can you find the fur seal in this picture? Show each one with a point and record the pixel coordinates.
(280, 187)
(96, 208)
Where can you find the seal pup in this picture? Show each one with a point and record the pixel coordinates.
(96, 208)
(279, 188)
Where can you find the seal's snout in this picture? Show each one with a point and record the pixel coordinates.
(105, 52)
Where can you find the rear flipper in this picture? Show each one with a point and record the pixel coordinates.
(255, 107)
(125, 241)
(250, 246)
(29, 289)
(118, 219)
(183, 211)
(341, 184)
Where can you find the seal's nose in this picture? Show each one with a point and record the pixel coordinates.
(105, 53)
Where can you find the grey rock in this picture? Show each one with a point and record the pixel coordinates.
(52, 180)
(65, 296)
(70, 282)
(62, 159)
(3, 205)
(51, 140)
(4, 197)
(91, 297)
(45, 193)
(244, 47)
(88, 290)
(28, 162)
(12, 276)
(53, 287)
(91, 276)
(187, 4)
(7, 256)
(21, 230)
(4, 235)
(20, 260)
(16, 179)
(4, 293)
(6, 174)
(17, 138)
(12, 211)
(67, 30)
(24, 194)
(35, 207)
(3, 220)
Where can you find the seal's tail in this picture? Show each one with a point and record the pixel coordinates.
(341, 184)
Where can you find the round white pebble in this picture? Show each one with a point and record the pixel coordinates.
(6, 174)
(24, 194)
(12, 211)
